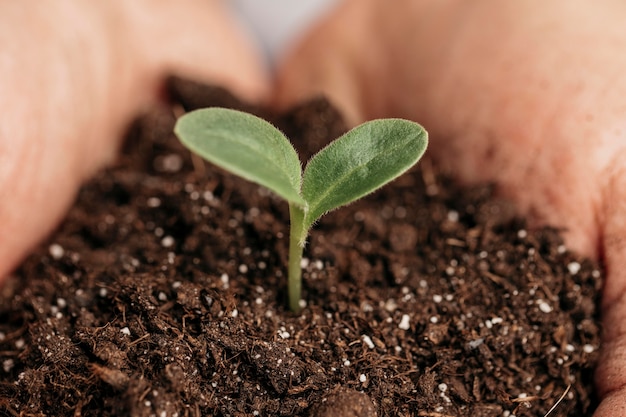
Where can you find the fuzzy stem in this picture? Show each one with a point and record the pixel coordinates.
(297, 236)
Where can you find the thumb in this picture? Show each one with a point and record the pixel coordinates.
(330, 61)
(611, 370)
(201, 40)
(104, 61)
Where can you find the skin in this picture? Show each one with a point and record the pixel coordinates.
(528, 94)
(87, 69)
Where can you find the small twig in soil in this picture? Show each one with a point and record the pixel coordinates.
(198, 165)
(433, 414)
(558, 401)
(134, 342)
(428, 176)
(6, 406)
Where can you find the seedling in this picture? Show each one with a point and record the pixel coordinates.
(352, 166)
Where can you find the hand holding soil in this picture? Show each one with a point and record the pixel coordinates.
(530, 95)
(75, 76)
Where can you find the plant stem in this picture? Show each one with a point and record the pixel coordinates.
(297, 238)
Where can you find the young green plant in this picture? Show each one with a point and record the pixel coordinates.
(352, 166)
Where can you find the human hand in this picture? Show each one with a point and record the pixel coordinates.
(73, 75)
(528, 94)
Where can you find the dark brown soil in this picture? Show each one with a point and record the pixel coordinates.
(163, 294)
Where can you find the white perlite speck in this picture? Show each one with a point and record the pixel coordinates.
(225, 281)
(169, 163)
(56, 251)
(368, 341)
(167, 242)
(153, 202)
(453, 216)
(405, 322)
(362, 378)
(544, 306)
(473, 344)
(8, 364)
(573, 267)
(442, 392)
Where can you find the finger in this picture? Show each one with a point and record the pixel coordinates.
(330, 62)
(73, 77)
(371, 60)
(200, 39)
(55, 73)
(502, 89)
(611, 372)
(525, 94)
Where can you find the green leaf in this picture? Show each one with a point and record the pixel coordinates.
(245, 145)
(359, 162)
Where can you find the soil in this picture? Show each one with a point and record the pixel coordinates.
(163, 293)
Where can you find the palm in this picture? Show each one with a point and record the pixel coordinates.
(528, 95)
(73, 77)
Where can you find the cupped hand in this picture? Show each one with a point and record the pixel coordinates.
(73, 75)
(531, 95)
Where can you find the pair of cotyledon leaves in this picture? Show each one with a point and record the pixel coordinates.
(352, 166)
